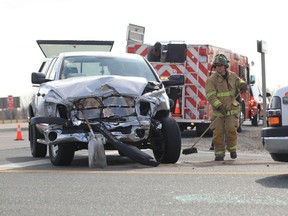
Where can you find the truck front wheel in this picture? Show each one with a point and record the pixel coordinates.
(167, 146)
(61, 154)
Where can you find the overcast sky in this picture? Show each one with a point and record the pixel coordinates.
(235, 25)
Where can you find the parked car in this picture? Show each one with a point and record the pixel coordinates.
(275, 135)
(119, 96)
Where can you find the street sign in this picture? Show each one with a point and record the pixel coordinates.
(261, 46)
(4, 102)
(10, 102)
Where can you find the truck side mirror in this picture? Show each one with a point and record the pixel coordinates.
(38, 78)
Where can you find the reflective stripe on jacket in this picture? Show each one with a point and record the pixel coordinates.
(220, 91)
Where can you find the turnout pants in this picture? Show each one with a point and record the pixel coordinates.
(225, 134)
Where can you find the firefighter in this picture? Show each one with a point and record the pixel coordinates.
(221, 90)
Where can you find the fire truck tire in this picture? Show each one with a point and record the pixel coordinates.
(168, 146)
(239, 129)
(255, 120)
(241, 117)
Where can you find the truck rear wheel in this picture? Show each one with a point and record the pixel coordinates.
(167, 147)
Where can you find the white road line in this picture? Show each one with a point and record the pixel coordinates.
(44, 161)
(22, 165)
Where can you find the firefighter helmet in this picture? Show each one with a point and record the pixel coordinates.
(221, 59)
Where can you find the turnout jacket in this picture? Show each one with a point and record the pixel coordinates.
(221, 91)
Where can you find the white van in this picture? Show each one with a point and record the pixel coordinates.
(275, 136)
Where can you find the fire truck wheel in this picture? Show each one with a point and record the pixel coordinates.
(241, 117)
(239, 129)
(167, 148)
(255, 120)
(201, 128)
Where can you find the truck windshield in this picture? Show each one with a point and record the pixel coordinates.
(98, 66)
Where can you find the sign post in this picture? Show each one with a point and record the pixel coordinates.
(262, 48)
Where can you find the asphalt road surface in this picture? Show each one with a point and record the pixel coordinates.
(253, 184)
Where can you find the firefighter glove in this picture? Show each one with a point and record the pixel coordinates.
(243, 88)
(222, 109)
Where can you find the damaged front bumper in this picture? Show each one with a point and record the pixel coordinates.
(53, 135)
(126, 132)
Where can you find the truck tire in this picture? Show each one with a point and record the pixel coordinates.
(279, 157)
(167, 148)
(255, 120)
(37, 149)
(239, 129)
(241, 117)
(61, 155)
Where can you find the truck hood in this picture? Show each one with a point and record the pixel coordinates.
(51, 48)
(104, 86)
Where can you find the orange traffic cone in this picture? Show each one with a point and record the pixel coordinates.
(177, 111)
(19, 133)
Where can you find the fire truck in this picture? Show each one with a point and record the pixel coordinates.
(189, 106)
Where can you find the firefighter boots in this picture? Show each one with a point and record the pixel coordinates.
(219, 158)
(233, 155)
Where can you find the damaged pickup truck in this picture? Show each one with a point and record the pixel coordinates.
(117, 99)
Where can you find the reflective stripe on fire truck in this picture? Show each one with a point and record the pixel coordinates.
(139, 49)
(196, 76)
(167, 69)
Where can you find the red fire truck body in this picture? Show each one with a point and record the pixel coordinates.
(188, 102)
